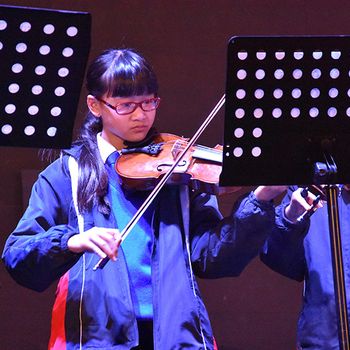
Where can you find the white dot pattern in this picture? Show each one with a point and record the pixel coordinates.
(282, 86)
(45, 53)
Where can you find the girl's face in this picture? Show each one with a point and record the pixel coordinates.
(118, 128)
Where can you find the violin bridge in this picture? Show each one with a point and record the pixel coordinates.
(176, 149)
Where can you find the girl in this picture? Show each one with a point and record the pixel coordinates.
(147, 297)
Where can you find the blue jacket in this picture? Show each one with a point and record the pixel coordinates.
(303, 252)
(93, 309)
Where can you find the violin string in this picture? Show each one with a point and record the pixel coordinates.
(179, 145)
(206, 148)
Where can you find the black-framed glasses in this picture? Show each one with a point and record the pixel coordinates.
(128, 107)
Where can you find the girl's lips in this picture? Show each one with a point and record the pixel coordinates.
(139, 128)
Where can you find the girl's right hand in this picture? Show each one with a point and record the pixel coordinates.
(100, 240)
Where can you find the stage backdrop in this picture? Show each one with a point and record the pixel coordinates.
(186, 42)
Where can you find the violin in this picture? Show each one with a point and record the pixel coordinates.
(141, 168)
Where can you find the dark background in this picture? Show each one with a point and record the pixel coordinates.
(186, 42)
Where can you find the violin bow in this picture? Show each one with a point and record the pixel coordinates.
(125, 232)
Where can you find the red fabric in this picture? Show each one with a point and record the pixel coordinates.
(215, 345)
(58, 333)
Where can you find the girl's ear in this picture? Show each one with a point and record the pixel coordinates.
(94, 105)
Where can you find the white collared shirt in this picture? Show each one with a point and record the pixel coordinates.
(105, 148)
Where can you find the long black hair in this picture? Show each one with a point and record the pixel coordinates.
(116, 73)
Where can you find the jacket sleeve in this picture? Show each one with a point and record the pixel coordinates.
(284, 251)
(36, 253)
(224, 246)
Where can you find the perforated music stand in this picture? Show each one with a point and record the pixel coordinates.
(43, 55)
(287, 102)
(287, 121)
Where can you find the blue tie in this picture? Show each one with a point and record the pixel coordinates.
(112, 158)
(110, 163)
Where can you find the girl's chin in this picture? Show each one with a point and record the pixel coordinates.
(138, 135)
(136, 139)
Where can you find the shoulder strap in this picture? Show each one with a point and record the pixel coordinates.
(73, 169)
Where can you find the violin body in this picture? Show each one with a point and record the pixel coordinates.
(199, 168)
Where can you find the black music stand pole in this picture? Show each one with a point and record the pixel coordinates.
(327, 173)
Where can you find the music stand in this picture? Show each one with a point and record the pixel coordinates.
(287, 121)
(43, 55)
(287, 101)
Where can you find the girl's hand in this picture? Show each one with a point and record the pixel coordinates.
(299, 204)
(100, 240)
(267, 193)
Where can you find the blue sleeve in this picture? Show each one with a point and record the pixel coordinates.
(224, 246)
(36, 253)
(283, 251)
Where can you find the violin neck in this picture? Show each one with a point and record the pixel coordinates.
(199, 152)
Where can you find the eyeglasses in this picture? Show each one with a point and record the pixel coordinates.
(128, 107)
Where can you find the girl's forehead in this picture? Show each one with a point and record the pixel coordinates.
(130, 98)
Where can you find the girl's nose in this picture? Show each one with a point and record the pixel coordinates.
(139, 113)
